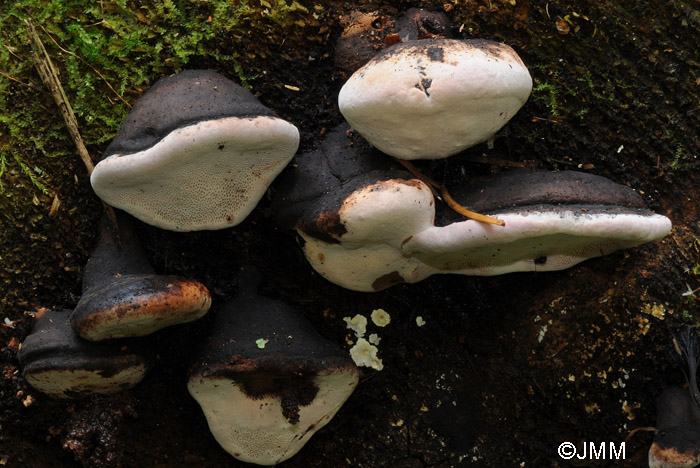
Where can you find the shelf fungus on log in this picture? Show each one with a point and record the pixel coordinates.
(553, 220)
(433, 98)
(122, 295)
(57, 362)
(367, 228)
(196, 152)
(266, 381)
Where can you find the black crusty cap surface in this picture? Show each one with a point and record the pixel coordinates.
(179, 100)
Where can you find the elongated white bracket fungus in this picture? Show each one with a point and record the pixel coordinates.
(196, 152)
(371, 230)
(432, 98)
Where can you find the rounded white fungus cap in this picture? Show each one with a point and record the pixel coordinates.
(209, 175)
(376, 218)
(196, 152)
(255, 430)
(430, 99)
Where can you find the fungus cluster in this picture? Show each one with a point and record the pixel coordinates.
(91, 349)
(372, 226)
(198, 152)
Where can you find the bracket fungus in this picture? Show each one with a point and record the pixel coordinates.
(196, 152)
(263, 403)
(553, 220)
(677, 440)
(432, 98)
(122, 295)
(59, 363)
(368, 230)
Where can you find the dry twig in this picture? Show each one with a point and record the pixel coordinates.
(445, 194)
(49, 76)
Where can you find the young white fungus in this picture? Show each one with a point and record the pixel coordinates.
(358, 324)
(381, 317)
(419, 321)
(364, 354)
(374, 339)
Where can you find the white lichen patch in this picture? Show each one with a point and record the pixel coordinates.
(374, 339)
(381, 317)
(365, 354)
(419, 321)
(358, 324)
(261, 342)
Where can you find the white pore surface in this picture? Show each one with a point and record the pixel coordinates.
(535, 241)
(378, 218)
(256, 431)
(66, 383)
(472, 93)
(209, 175)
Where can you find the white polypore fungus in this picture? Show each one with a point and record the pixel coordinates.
(196, 152)
(263, 403)
(365, 354)
(59, 363)
(381, 317)
(433, 98)
(537, 239)
(376, 219)
(388, 232)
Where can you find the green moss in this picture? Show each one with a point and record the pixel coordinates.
(108, 53)
(549, 93)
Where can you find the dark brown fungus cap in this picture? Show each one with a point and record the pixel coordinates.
(196, 152)
(677, 440)
(367, 33)
(176, 101)
(266, 381)
(59, 363)
(517, 188)
(122, 295)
